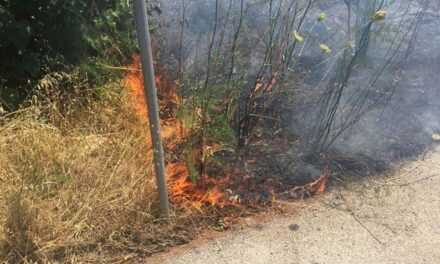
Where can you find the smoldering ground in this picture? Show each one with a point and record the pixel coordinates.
(386, 108)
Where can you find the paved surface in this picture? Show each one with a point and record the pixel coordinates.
(387, 219)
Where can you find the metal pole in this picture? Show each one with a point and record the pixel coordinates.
(142, 27)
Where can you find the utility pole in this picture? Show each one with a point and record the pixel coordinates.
(143, 34)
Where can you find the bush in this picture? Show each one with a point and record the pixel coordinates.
(37, 35)
(42, 36)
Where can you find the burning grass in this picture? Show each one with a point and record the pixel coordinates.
(86, 187)
(190, 194)
(185, 191)
(81, 188)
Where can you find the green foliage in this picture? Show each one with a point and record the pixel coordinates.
(216, 101)
(111, 34)
(33, 32)
(38, 37)
(215, 135)
(219, 129)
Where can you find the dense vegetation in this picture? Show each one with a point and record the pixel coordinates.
(39, 37)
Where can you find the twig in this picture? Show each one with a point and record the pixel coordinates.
(207, 97)
(414, 182)
(117, 68)
(234, 43)
(350, 211)
(265, 117)
(366, 228)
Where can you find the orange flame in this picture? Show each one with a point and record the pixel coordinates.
(183, 190)
(207, 191)
(134, 83)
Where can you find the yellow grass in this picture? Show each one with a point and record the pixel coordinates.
(81, 184)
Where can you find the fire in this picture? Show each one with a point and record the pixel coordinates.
(206, 191)
(183, 191)
(134, 83)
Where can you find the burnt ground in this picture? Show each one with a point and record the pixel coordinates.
(389, 219)
(399, 130)
(360, 215)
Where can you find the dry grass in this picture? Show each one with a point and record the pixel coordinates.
(79, 186)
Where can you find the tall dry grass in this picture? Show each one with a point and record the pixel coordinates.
(77, 184)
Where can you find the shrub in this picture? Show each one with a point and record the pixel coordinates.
(38, 37)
